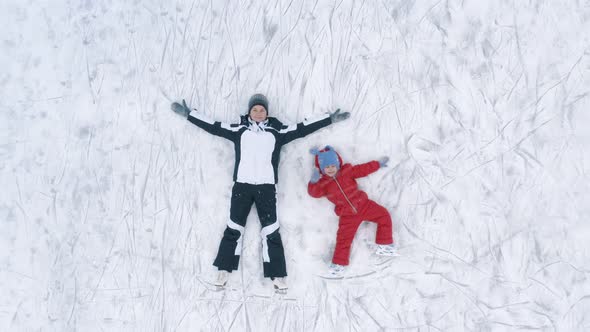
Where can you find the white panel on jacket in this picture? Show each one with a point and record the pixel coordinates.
(256, 158)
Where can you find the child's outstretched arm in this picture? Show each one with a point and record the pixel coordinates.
(202, 121)
(362, 170)
(315, 188)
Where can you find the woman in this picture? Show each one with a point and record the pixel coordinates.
(258, 140)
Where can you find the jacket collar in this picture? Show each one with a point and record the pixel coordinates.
(257, 126)
(270, 122)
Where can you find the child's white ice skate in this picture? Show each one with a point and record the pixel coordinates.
(280, 285)
(221, 280)
(386, 250)
(335, 271)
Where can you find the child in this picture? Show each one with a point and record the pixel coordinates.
(337, 182)
(258, 140)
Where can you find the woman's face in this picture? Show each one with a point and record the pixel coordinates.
(258, 113)
(331, 170)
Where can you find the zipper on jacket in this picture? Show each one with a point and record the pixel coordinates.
(346, 197)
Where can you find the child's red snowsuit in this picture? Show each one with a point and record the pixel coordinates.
(353, 206)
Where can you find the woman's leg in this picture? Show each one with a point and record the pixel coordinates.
(230, 248)
(273, 254)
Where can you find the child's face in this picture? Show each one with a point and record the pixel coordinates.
(258, 113)
(331, 170)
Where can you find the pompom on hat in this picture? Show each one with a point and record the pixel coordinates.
(326, 157)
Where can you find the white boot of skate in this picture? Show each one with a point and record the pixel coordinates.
(335, 271)
(280, 285)
(221, 280)
(386, 250)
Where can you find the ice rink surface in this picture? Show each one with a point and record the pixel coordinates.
(112, 206)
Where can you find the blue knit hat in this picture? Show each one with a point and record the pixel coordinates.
(326, 157)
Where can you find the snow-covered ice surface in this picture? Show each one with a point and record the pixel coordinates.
(112, 206)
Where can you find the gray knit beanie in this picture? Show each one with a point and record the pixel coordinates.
(258, 99)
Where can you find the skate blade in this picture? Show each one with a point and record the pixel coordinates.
(219, 287)
(347, 276)
(331, 277)
(281, 291)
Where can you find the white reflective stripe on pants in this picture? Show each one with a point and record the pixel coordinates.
(240, 229)
(264, 232)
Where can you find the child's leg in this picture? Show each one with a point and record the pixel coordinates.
(377, 213)
(347, 228)
(230, 248)
(273, 254)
